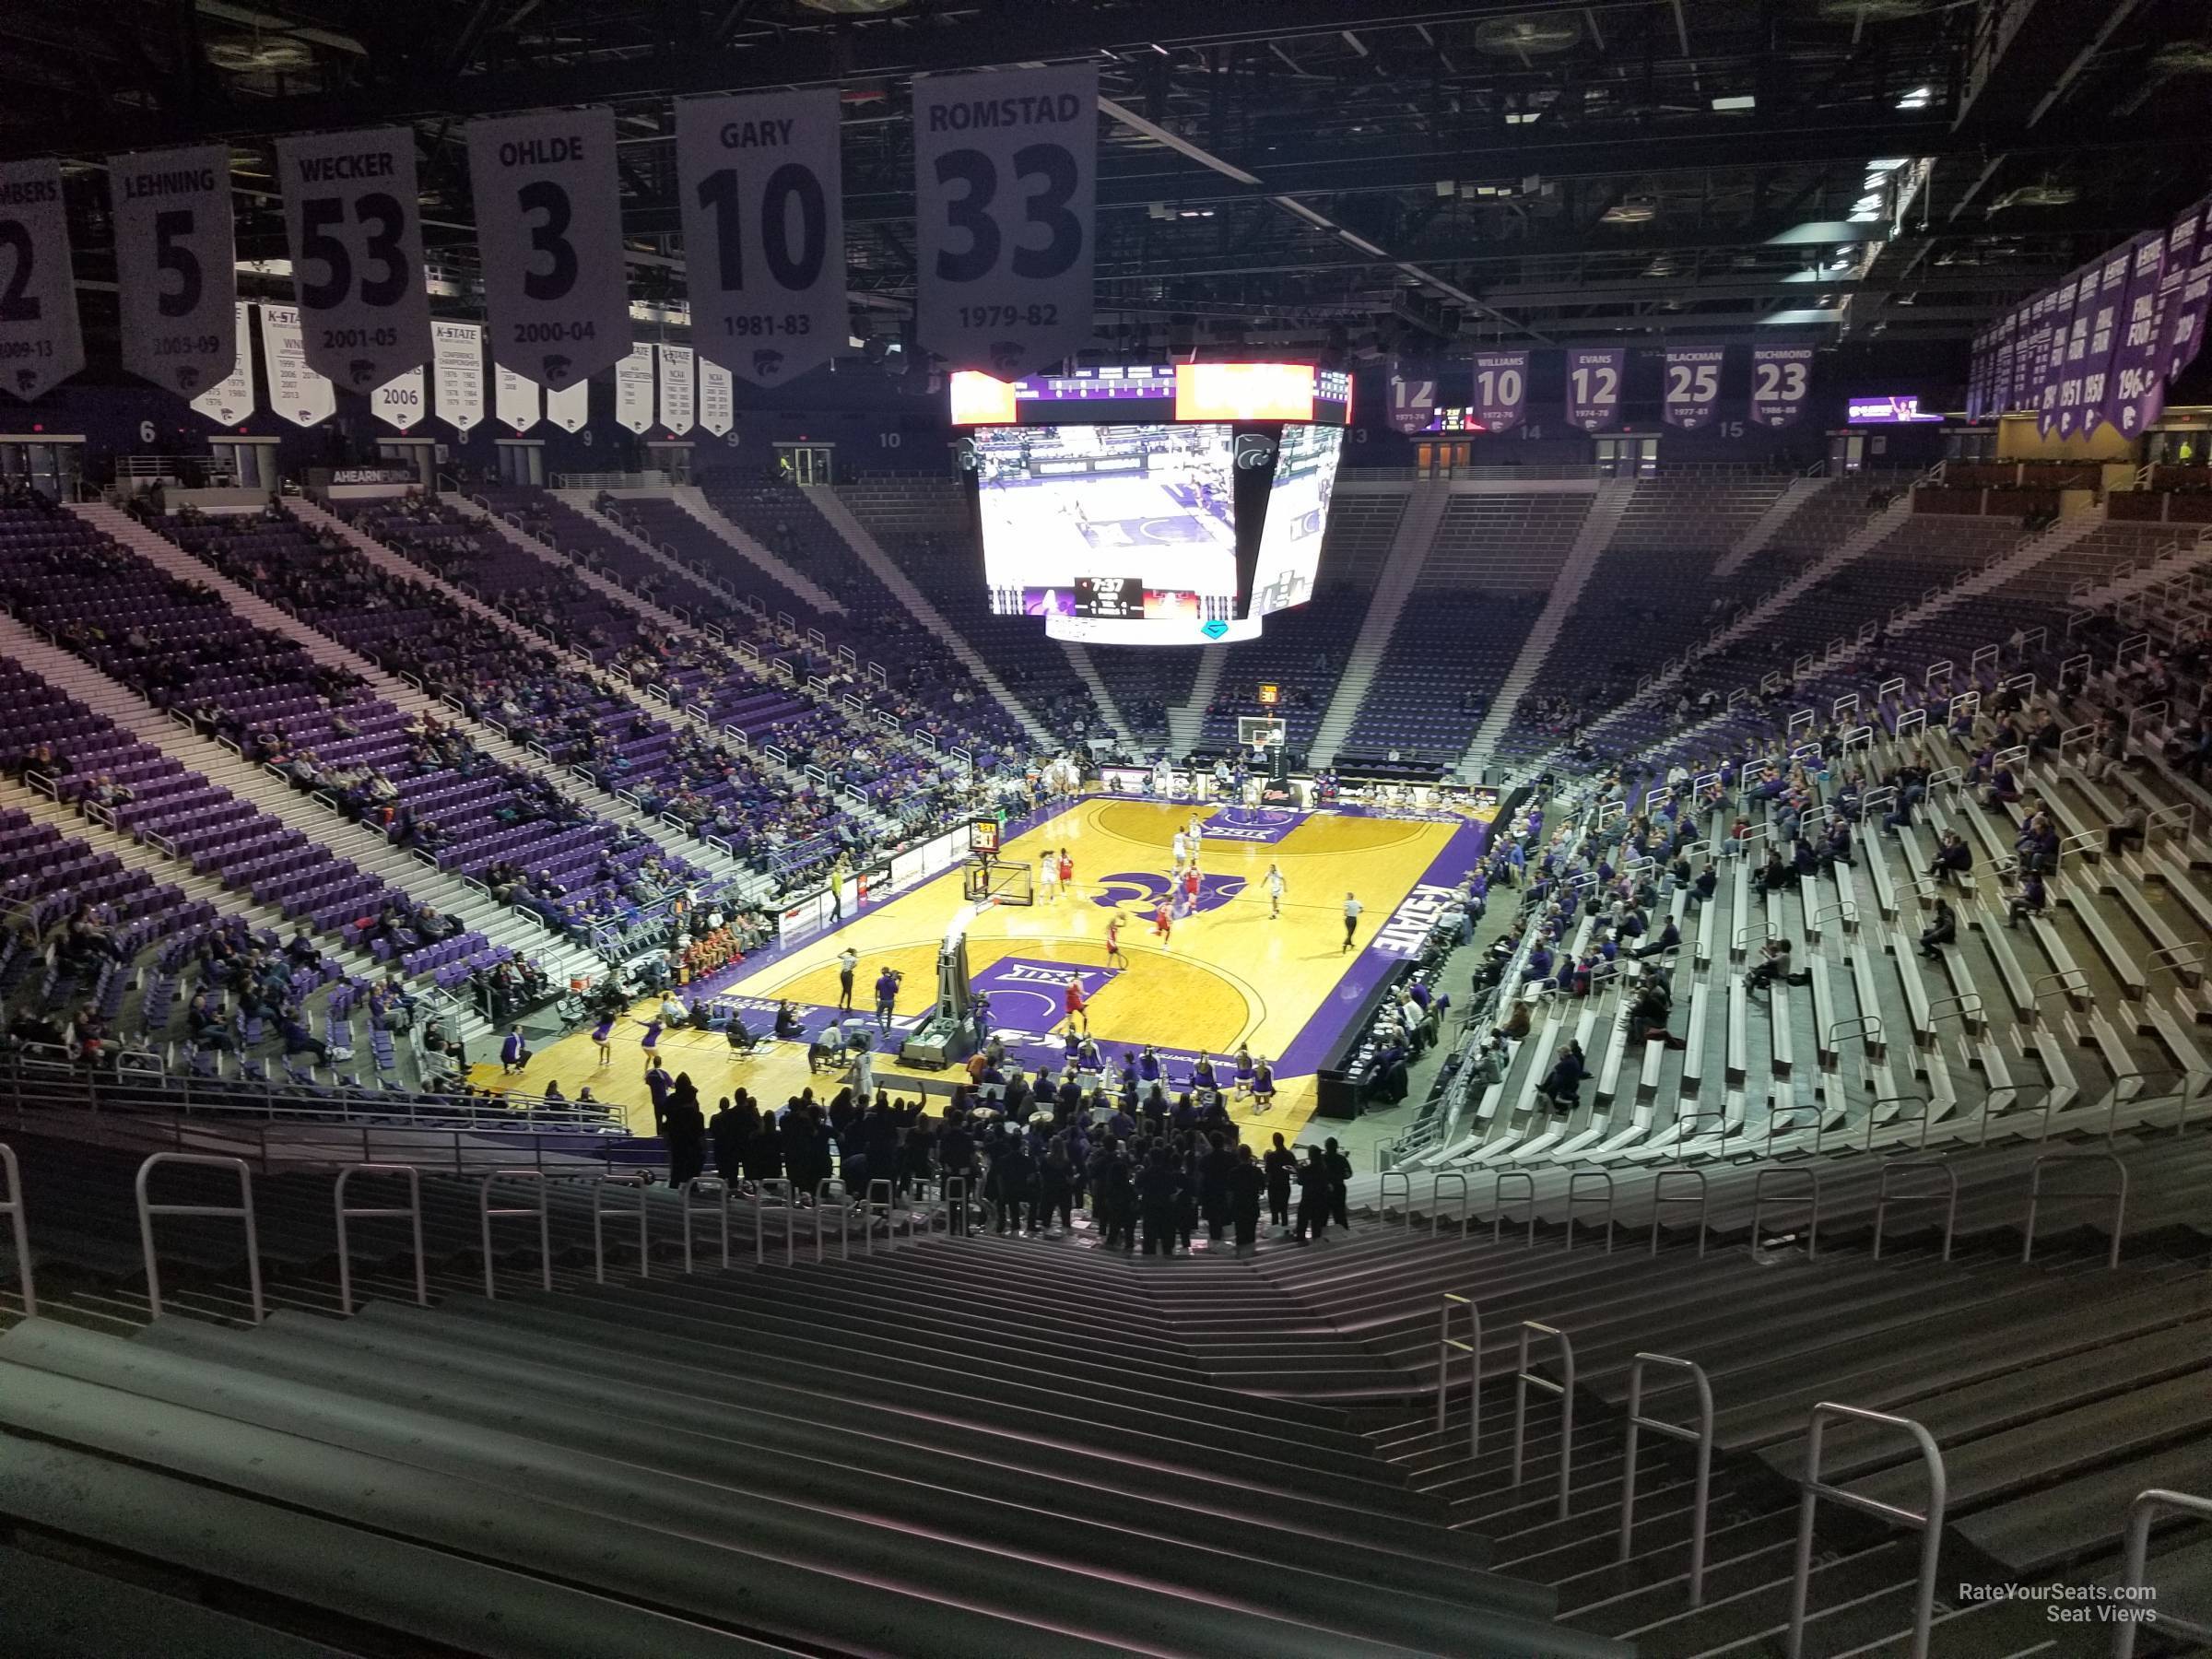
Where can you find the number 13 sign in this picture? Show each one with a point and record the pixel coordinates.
(1005, 197)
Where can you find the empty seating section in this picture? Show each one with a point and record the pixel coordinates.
(1302, 652)
(1445, 660)
(1504, 543)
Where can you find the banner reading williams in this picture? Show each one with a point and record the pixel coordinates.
(1501, 389)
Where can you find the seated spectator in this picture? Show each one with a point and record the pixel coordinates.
(1942, 929)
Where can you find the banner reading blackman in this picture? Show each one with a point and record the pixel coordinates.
(2135, 391)
(176, 267)
(39, 342)
(231, 399)
(296, 390)
(1412, 397)
(1006, 201)
(399, 401)
(354, 221)
(1594, 386)
(459, 348)
(717, 402)
(1501, 389)
(1781, 379)
(2182, 329)
(764, 231)
(679, 398)
(549, 230)
(513, 399)
(1693, 385)
(633, 389)
(2104, 334)
(570, 407)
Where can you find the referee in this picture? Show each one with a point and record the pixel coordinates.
(1352, 907)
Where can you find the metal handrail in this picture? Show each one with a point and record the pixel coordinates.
(844, 1211)
(1498, 1205)
(19, 1228)
(1704, 1201)
(890, 1214)
(1436, 1209)
(1820, 1117)
(599, 1185)
(1446, 1344)
(693, 1188)
(1929, 1521)
(2035, 1193)
(1882, 1194)
(946, 1202)
(1574, 1196)
(1923, 1115)
(2140, 1514)
(413, 1213)
(791, 1219)
(1692, 1119)
(1523, 1378)
(1382, 1195)
(1700, 1437)
(485, 1215)
(241, 1211)
(1811, 1200)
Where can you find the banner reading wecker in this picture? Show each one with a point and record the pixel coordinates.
(764, 231)
(1412, 397)
(39, 342)
(2134, 395)
(717, 400)
(398, 402)
(1501, 389)
(296, 390)
(1006, 201)
(176, 267)
(549, 229)
(231, 399)
(459, 348)
(354, 222)
(1781, 377)
(633, 389)
(1594, 386)
(513, 399)
(1693, 385)
(679, 399)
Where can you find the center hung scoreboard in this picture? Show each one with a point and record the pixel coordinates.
(1156, 504)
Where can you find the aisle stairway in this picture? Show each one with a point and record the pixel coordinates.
(1409, 548)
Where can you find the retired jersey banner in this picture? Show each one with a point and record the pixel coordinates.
(2104, 334)
(40, 344)
(1693, 385)
(2135, 392)
(513, 399)
(1501, 389)
(1781, 380)
(717, 401)
(231, 399)
(296, 390)
(399, 401)
(354, 222)
(1412, 397)
(458, 357)
(764, 231)
(176, 264)
(570, 407)
(633, 389)
(549, 230)
(1594, 387)
(679, 400)
(2182, 329)
(1006, 202)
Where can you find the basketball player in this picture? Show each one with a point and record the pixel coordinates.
(1115, 958)
(1274, 893)
(1077, 1007)
(1048, 875)
(1352, 907)
(1190, 886)
(1067, 873)
(1182, 848)
(1161, 923)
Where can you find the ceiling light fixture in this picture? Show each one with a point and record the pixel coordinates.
(1743, 101)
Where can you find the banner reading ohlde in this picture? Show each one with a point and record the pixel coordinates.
(1594, 386)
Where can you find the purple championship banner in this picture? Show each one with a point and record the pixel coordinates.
(1780, 377)
(2135, 392)
(2058, 321)
(1693, 385)
(2090, 344)
(1594, 387)
(1501, 388)
(2182, 328)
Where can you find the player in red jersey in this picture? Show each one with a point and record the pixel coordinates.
(1078, 1008)
(1113, 942)
(1160, 922)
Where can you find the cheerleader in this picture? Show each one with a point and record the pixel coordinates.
(650, 1042)
(1243, 1071)
(1202, 1073)
(1263, 1085)
(603, 1034)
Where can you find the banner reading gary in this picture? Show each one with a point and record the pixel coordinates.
(1594, 386)
(1501, 388)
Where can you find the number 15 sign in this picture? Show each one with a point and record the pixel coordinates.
(1005, 200)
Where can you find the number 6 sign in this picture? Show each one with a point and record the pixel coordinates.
(1006, 199)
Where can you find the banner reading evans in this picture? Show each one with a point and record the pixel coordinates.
(354, 221)
(176, 267)
(1781, 376)
(1501, 389)
(1693, 385)
(549, 231)
(1594, 387)
(764, 231)
(39, 342)
(1006, 201)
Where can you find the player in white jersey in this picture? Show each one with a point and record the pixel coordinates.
(1274, 893)
(1182, 848)
(1048, 875)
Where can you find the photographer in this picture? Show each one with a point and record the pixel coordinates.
(887, 995)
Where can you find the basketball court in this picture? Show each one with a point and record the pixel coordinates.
(1226, 974)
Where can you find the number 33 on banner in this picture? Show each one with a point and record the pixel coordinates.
(1005, 199)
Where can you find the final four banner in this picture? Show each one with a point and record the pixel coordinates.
(2181, 330)
(354, 221)
(764, 231)
(39, 342)
(679, 399)
(176, 264)
(549, 230)
(1412, 397)
(458, 356)
(1781, 378)
(1594, 387)
(1005, 203)
(2058, 323)
(1693, 385)
(2134, 391)
(717, 400)
(1501, 389)
(231, 399)
(296, 390)
(2104, 334)
(633, 389)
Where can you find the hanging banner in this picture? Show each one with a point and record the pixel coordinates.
(1781, 378)
(458, 356)
(1412, 397)
(2073, 367)
(1005, 200)
(296, 390)
(1501, 389)
(40, 344)
(549, 228)
(2058, 327)
(2110, 299)
(231, 399)
(1594, 386)
(2182, 326)
(570, 407)
(2135, 391)
(678, 398)
(633, 389)
(717, 400)
(513, 399)
(176, 266)
(399, 401)
(1693, 385)
(354, 222)
(764, 231)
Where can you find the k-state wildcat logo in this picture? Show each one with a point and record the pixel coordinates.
(1143, 891)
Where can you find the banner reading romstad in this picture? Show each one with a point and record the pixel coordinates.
(1594, 386)
(41, 345)
(354, 221)
(176, 266)
(1501, 389)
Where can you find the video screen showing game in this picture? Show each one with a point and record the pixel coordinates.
(1298, 516)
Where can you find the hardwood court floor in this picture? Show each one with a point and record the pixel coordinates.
(1228, 974)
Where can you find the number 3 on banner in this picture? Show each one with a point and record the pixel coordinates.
(1048, 206)
(548, 237)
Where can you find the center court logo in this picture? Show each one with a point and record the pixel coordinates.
(1141, 890)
